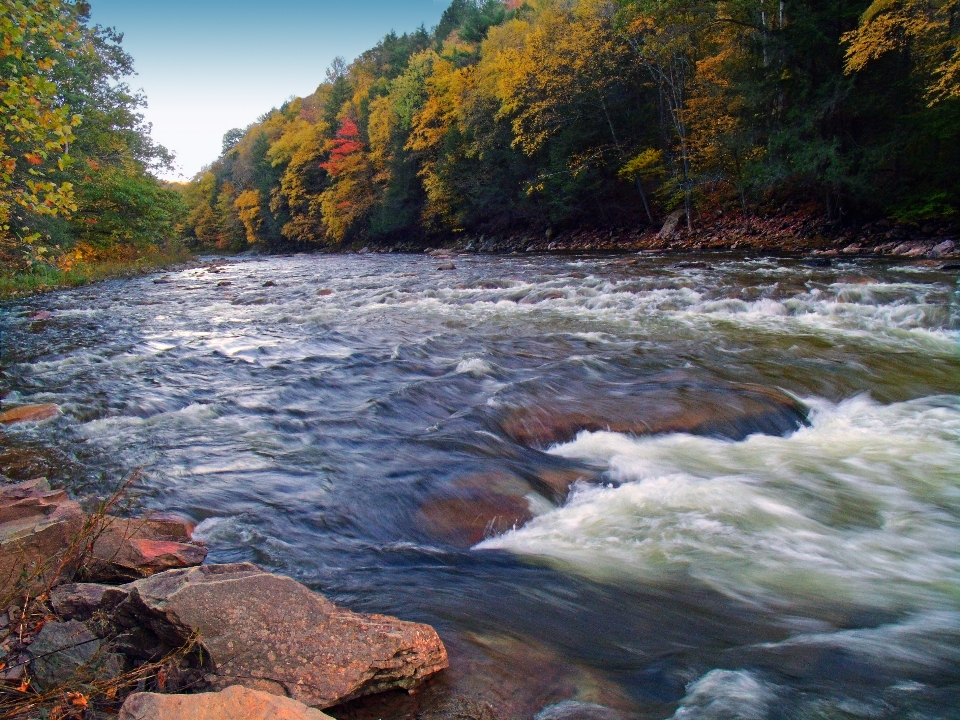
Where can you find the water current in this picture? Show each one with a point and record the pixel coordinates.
(352, 421)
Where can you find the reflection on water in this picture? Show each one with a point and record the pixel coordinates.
(594, 479)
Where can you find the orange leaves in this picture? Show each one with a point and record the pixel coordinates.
(346, 143)
(33, 159)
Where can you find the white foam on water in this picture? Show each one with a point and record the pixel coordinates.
(474, 366)
(726, 695)
(863, 508)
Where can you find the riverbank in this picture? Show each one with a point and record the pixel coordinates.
(46, 277)
(792, 234)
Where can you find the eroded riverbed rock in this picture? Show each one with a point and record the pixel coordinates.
(234, 703)
(732, 413)
(29, 413)
(38, 527)
(271, 633)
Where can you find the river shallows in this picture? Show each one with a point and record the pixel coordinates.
(307, 424)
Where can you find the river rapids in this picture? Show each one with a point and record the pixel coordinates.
(346, 420)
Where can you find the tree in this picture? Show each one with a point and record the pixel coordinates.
(926, 31)
(37, 128)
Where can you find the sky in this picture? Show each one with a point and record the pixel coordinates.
(207, 66)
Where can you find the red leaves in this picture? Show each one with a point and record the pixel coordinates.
(346, 143)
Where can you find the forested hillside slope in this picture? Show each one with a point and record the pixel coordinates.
(562, 113)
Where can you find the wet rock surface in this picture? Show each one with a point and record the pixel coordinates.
(270, 633)
(496, 677)
(234, 703)
(28, 413)
(732, 413)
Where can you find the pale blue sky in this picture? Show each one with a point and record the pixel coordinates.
(210, 65)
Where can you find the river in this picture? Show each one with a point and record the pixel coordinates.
(345, 420)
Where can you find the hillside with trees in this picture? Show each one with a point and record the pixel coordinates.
(559, 113)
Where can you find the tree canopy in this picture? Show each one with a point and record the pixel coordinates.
(76, 158)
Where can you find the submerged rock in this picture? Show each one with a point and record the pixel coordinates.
(271, 633)
(234, 703)
(483, 505)
(732, 413)
(29, 413)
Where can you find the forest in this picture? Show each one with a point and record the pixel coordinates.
(507, 116)
(557, 113)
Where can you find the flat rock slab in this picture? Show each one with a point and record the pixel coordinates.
(234, 703)
(271, 633)
(28, 413)
(731, 412)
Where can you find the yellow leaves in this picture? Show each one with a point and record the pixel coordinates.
(647, 164)
(926, 27)
(248, 208)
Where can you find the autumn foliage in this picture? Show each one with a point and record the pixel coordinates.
(547, 113)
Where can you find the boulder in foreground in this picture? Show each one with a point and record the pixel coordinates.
(234, 703)
(268, 632)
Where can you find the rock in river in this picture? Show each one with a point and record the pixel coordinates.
(129, 549)
(234, 703)
(29, 413)
(271, 633)
(731, 412)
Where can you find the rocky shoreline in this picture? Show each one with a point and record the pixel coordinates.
(98, 605)
(799, 233)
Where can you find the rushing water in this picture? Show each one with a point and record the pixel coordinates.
(340, 425)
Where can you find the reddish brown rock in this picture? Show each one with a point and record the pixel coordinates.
(128, 549)
(38, 532)
(729, 412)
(467, 520)
(234, 703)
(29, 413)
(271, 633)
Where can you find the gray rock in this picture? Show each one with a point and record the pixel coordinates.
(271, 633)
(447, 266)
(234, 703)
(942, 249)
(669, 228)
(79, 601)
(63, 652)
